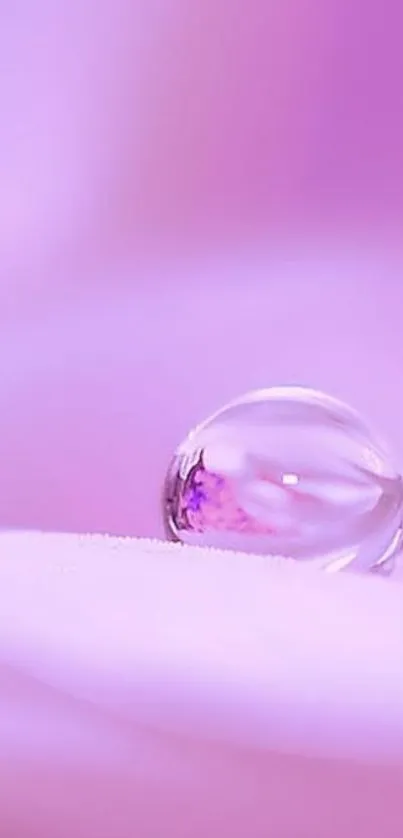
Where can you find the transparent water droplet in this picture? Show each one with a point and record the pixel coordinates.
(288, 472)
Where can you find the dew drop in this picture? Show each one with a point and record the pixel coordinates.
(289, 472)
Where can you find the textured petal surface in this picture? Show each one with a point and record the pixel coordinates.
(152, 689)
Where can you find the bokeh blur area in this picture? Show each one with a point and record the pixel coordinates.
(196, 198)
(156, 122)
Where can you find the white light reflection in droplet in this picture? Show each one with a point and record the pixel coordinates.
(290, 479)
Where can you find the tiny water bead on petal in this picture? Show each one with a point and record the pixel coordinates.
(287, 472)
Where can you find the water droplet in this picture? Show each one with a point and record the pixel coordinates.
(288, 472)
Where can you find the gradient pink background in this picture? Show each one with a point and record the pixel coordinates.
(196, 199)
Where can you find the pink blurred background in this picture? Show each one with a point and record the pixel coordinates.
(196, 199)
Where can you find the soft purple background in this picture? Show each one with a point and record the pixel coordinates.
(196, 199)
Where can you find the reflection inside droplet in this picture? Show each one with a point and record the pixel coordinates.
(289, 472)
